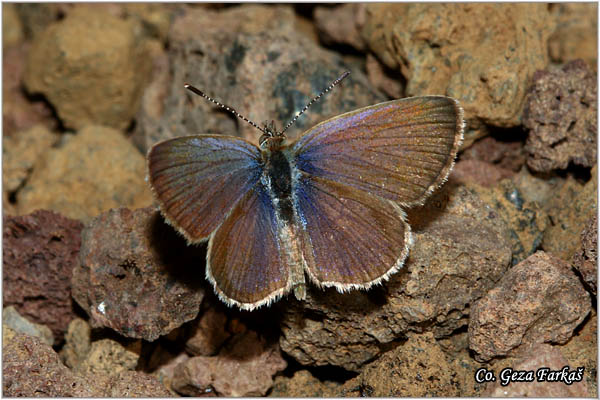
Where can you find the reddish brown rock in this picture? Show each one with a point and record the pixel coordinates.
(208, 333)
(384, 79)
(39, 252)
(163, 364)
(245, 367)
(561, 116)
(460, 250)
(586, 259)
(508, 155)
(137, 276)
(542, 356)
(262, 66)
(30, 368)
(540, 300)
(479, 172)
(416, 368)
(342, 24)
(93, 171)
(91, 66)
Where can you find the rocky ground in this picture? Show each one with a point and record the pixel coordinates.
(102, 298)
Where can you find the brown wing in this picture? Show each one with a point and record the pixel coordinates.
(400, 150)
(351, 239)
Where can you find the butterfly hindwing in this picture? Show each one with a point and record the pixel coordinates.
(399, 150)
(199, 179)
(245, 263)
(350, 239)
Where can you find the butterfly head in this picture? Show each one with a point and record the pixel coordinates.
(271, 139)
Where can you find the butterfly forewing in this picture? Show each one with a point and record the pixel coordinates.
(199, 179)
(399, 150)
(351, 239)
(245, 262)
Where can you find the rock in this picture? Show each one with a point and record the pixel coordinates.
(155, 93)
(576, 34)
(383, 79)
(95, 170)
(264, 70)
(12, 319)
(479, 172)
(537, 188)
(20, 152)
(341, 24)
(208, 334)
(39, 253)
(77, 343)
(303, 384)
(12, 28)
(569, 209)
(560, 114)
(109, 357)
(508, 155)
(586, 259)
(163, 365)
(20, 113)
(36, 17)
(135, 384)
(460, 250)
(137, 276)
(417, 368)
(91, 66)
(543, 356)
(526, 220)
(481, 54)
(245, 367)
(155, 18)
(539, 300)
(582, 351)
(31, 368)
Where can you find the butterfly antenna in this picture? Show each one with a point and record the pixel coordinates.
(338, 80)
(223, 106)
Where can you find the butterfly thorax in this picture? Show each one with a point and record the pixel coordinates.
(278, 174)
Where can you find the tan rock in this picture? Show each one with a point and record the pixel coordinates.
(91, 66)
(576, 34)
(416, 368)
(95, 170)
(569, 209)
(12, 28)
(481, 54)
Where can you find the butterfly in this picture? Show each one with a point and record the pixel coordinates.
(328, 206)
